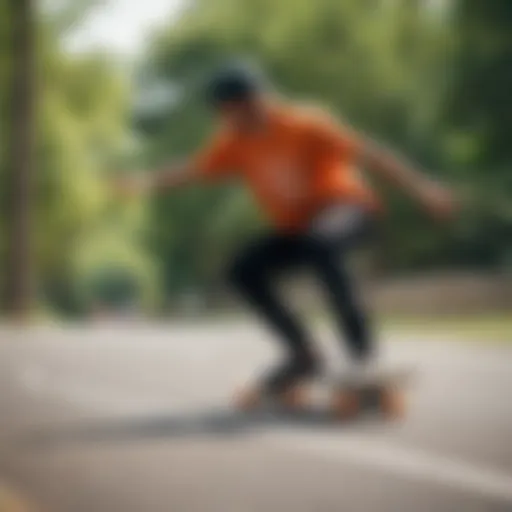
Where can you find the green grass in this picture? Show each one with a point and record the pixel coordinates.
(481, 327)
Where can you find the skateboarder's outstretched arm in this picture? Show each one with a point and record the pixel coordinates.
(217, 160)
(170, 177)
(436, 198)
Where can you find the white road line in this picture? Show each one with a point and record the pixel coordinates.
(405, 462)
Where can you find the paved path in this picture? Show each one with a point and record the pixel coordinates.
(137, 420)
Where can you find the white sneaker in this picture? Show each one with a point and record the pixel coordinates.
(363, 371)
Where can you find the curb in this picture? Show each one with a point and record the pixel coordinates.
(13, 501)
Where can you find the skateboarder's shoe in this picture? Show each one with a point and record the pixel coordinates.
(285, 385)
(361, 372)
(393, 403)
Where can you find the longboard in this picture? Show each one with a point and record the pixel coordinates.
(344, 396)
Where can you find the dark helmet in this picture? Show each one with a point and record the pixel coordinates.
(236, 81)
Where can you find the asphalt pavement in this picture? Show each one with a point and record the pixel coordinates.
(134, 418)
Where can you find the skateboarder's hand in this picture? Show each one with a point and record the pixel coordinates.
(438, 201)
(130, 186)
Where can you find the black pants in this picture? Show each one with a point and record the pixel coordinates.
(322, 248)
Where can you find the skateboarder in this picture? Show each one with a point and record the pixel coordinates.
(303, 168)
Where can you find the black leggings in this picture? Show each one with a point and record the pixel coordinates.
(322, 248)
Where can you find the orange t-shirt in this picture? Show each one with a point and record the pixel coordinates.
(299, 163)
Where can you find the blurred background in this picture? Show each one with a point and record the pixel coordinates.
(114, 394)
(114, 86)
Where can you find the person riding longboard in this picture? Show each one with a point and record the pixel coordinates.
(303, 168)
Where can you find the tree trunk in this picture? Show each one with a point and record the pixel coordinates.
(19, 272)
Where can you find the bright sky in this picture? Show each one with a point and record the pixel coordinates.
(120, 25)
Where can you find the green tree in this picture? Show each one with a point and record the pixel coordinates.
(19, 159)
(478, 137)
(82, 121)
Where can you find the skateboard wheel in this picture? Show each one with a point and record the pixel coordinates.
(345, 404)
(248, 399)
(393, 403)
(295, 397)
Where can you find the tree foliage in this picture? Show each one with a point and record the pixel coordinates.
(430, 78)
(82, 129)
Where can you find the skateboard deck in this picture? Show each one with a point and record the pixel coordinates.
(342, 396)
